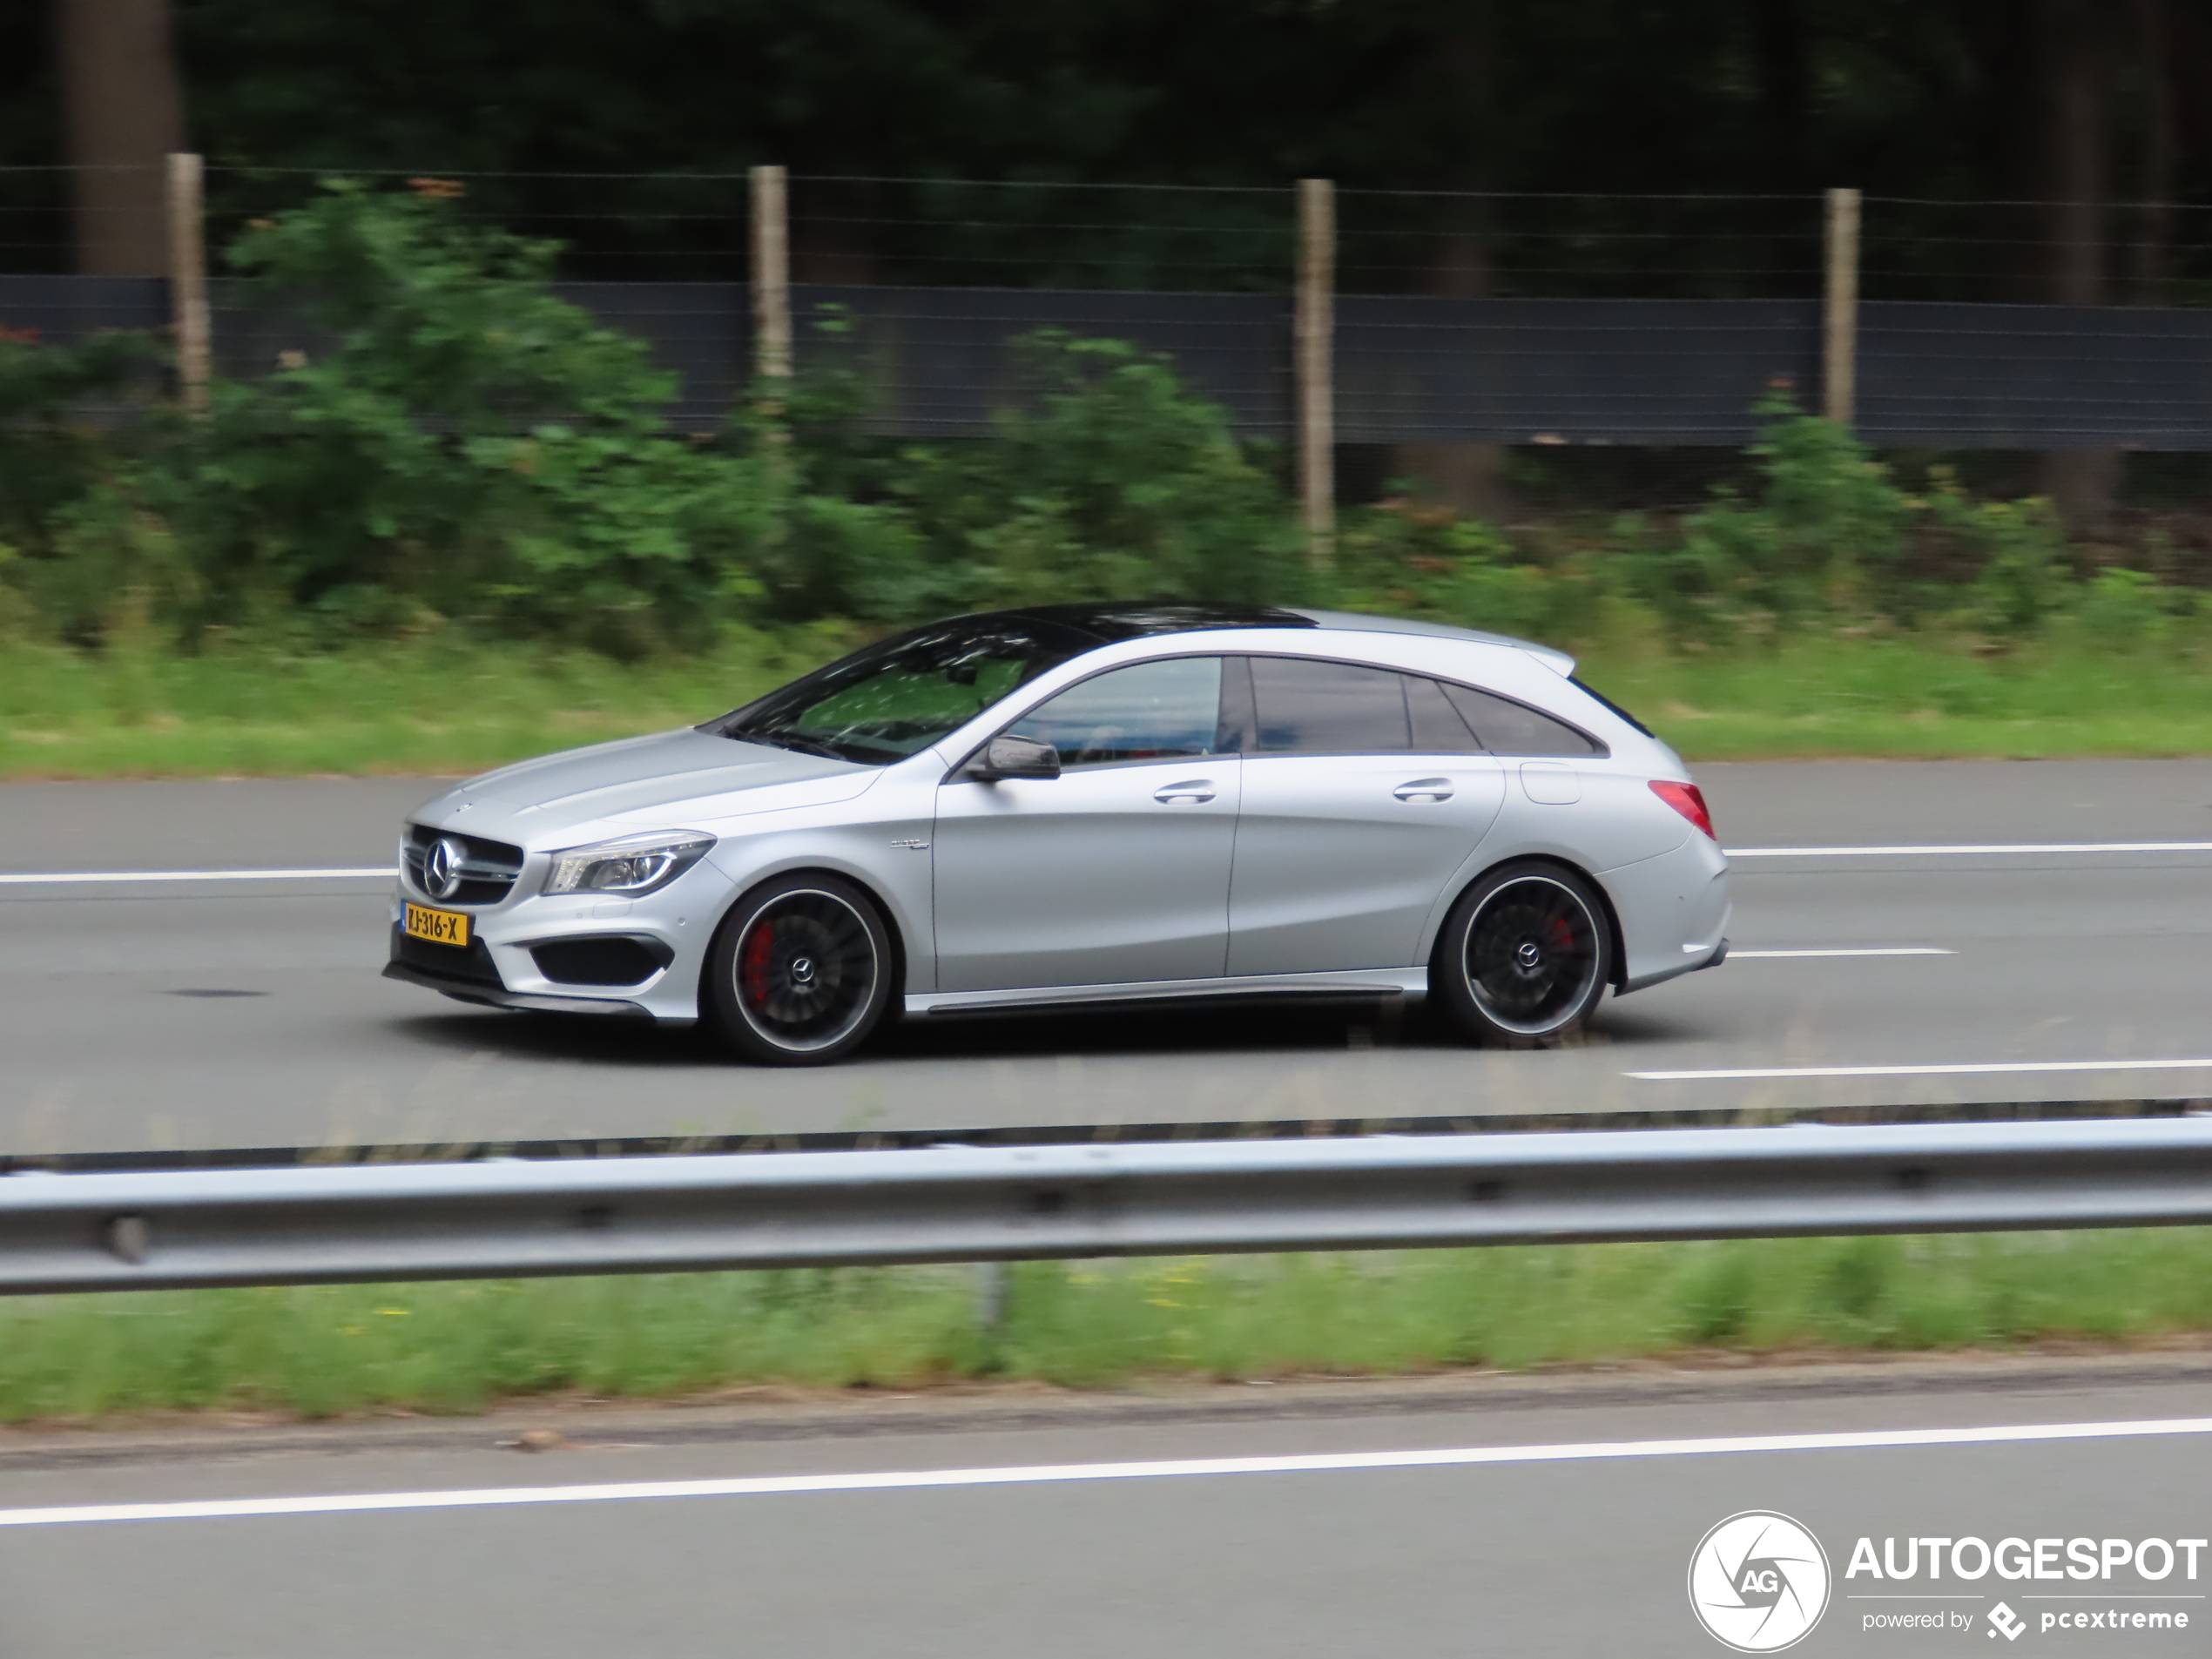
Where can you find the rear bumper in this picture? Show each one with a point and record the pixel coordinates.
(1719, 955)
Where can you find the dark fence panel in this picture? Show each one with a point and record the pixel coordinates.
(939, 362)
(1409, 369)
(1968, 377)
(702, 331)
(1574, 371)
(58, 310)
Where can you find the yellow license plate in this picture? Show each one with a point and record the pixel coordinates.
(439, 927)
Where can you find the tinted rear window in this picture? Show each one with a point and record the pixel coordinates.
(1510, 728)
(1438, 727)
(1307, 707)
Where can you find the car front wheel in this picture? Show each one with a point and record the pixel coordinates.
(1524, 957)
(799, 971)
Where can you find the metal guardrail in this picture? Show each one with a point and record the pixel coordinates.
(421, 1221)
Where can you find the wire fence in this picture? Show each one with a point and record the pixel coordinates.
(1520, 319)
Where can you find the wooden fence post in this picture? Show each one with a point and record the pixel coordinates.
(1840, 311)
(188, 315)
(1314, 332)
(771, 276)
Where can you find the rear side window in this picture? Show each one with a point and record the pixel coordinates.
(1307, 707)
(1510, 728)
(1438, 728)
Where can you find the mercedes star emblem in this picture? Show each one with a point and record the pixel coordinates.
(442, 868)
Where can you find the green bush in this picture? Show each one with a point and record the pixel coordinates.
(1101, 478)
(1833, 540)
(47, 461)
(468, 447)
(1105, 480)
(1408, 559)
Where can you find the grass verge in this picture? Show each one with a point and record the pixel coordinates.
(323, 1351)
(442, 707)
(439, 707)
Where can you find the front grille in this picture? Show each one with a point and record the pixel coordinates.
(487, 870)
(471, 965)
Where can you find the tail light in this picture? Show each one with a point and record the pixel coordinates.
(1687, 800)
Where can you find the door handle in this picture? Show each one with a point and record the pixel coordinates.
(1198, 789)
(1425, 789)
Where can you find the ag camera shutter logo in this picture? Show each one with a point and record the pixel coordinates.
(1759, 1581)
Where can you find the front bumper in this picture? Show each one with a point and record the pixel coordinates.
(493, 996)
(505, 964)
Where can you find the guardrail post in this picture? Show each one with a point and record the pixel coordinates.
(1314, 330)
(1840, 311)
(993, 1300)
(189, 318)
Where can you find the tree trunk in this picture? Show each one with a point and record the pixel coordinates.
(126, 113)
(2162, 142)
(1465, 476)
(2071, 67)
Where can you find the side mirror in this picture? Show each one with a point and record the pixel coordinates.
(1009, 757)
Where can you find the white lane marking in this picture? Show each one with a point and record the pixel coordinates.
(760, 1485)
(1854, 950)
(1958, 852)
(52, 878)
(1733, 1074)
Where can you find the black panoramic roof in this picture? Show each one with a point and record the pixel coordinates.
(1109, 623)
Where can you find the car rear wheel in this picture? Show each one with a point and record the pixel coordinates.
(799, 971)
(1524, 957)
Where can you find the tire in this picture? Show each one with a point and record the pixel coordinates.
(1524, 957)
(800, 971)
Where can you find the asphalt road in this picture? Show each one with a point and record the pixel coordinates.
(249, 1013)
(1518, 1525)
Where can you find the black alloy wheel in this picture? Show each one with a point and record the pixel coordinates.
(800, 971)
(1524, 957)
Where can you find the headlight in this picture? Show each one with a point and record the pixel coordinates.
(635, 865)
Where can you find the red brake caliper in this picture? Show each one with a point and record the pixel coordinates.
(752, 963)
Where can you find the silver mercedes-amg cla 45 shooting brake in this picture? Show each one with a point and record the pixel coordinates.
(1086, 804)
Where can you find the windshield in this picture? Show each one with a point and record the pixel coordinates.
(883, 704)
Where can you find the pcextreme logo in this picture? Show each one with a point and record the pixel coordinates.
(1759, 1581)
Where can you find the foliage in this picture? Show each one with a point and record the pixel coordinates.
(1833, 540)
(41, 385)
(1405, 559)
(47, 460)
(467, 446)
(458, 448)
(1104, 480)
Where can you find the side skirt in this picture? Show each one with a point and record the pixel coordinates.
(1380, 982)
